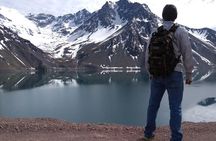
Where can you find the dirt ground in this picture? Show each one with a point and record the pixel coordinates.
(46, 129)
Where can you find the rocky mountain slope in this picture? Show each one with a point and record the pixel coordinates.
(17, 53)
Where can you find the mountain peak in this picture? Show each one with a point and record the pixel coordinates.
(81, 16)
(3, 17)
(109, 5)
(83, 11)
(123, 2)
(41, 19)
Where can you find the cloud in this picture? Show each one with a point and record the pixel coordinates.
(193, 13)
(55, 7)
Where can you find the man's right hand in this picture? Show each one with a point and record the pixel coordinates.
(188, 81)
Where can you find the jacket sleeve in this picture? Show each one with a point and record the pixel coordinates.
(186, 52)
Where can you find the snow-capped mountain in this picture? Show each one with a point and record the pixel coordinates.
(109, 19)
(17, 53)
(125, 45)
(96, 27)
(43, 38)
(56, 30)
(114, 37)
(62, 24)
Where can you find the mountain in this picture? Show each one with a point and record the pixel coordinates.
(62, 24)
(42, 37)
(55, 32)
(204, 52)
(112, 38)
(17, 53)
(109, 19)
(125, 47)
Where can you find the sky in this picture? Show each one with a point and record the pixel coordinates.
(192, 13)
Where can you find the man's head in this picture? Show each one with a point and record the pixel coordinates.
(169, 12)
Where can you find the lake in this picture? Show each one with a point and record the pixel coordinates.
(100, 97)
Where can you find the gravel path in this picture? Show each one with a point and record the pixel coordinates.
(46, 129)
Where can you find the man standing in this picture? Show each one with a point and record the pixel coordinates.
(173, 82)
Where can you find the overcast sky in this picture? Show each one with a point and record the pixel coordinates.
(192, 13)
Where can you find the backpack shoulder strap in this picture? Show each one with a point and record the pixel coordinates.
(173, 28)
(160, 28)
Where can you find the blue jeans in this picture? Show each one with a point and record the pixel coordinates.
(174, 85)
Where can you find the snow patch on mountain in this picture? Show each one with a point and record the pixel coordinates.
(68, 50)
(206, 75)
(70, 27)
(139, 20)
(203, 58)
(79, 37)
(18, 59)
(0, 29)
(1, 47)
(202, 35)
(47, 40)
(102, 33)
(18, 23)
(99, 35)
(20, 81)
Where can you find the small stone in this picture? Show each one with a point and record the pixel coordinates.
(17, 129)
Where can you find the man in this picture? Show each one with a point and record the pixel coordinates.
(173, 82)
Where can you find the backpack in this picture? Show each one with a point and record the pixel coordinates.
(162, 59)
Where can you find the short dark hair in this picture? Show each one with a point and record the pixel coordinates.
(169, 12)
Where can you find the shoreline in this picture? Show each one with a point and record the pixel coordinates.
(46, 129)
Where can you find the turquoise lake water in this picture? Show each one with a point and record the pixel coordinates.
(103, 97)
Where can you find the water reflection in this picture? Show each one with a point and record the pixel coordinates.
(16, 81)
